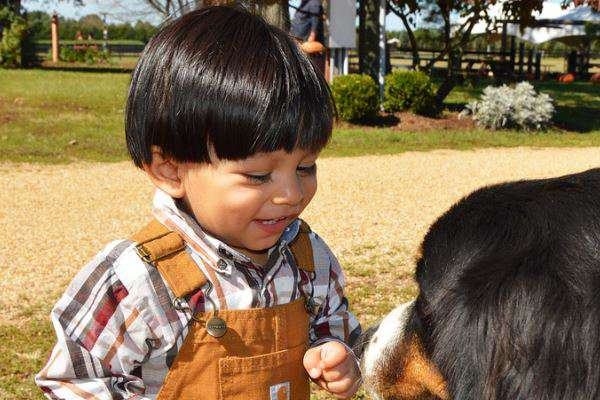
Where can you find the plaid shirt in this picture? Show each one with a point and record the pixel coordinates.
(118, 333)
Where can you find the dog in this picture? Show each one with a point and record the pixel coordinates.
(509, 300)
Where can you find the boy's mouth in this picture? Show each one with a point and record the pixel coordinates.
(273, 226)
(270, 221)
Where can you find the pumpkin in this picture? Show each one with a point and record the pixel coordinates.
(312, 47)
(595, 78)
(567, 78)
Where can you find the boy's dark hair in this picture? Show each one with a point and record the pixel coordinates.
(222, 77)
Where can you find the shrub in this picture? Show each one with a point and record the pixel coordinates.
(82, 53)
(356, 97)
(14, 33)
(409, 90)
(505, 107)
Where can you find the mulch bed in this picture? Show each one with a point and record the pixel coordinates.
(409, 122)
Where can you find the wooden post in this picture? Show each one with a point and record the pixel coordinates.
(521, 59)
(503, 46)
(572, 62)
(512, 55)
(55, 38)
(538, 66)
(530, 61)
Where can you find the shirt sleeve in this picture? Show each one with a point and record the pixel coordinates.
(101, 337)
(332, 320)
(316, 11)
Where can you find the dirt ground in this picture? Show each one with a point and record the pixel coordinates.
(372, 210)
(410, 122)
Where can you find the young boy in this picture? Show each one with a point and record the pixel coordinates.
(226, 294)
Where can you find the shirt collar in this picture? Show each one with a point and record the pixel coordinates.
(211, 250)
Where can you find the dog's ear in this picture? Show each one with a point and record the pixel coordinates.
(419, 377)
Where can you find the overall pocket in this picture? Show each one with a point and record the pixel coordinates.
(273, 376)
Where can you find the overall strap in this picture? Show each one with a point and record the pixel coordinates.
(165, 249)
(301, 248)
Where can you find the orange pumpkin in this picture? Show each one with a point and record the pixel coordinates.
(567, 78)
(595, 78)
(312, 47)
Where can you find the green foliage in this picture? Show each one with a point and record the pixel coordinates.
(100, 42)
(89, 25)
(409, 90)
(356, 97)
(82, 53)
(14, 33)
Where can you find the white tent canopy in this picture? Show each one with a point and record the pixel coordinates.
(551, 12)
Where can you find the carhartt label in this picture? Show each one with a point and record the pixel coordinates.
(281, 391)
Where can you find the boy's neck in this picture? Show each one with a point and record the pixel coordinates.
(258, 258)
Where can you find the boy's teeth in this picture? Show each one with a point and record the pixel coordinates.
(271, 221)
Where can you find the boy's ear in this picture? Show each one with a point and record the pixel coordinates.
(165, 173)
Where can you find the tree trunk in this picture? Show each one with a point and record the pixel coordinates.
(449, 79)
(444, 90)
(414, 46)
(276, 14)
(368, 44)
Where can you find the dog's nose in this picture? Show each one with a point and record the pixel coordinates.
(363, 340)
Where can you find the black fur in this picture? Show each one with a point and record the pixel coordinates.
(510, 278)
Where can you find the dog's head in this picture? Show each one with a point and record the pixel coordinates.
(509, 300)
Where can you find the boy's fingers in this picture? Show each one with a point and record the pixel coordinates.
(312, 361)
(348, 393)
(342, 386)
(332, 354)
(338, 372)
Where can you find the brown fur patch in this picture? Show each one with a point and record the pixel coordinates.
(410, 375)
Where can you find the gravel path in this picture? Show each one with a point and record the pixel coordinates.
(54, 218)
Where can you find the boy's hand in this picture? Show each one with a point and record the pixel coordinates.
(332, 367)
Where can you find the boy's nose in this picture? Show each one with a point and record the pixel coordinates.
(289, 193)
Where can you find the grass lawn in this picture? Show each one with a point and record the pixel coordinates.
(59, 116)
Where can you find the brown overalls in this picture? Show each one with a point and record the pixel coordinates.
(259, 355)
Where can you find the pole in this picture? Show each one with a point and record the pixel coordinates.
(54, 24)
(332, 52)
(346, 66)
(512, 57)
(521, 59)
(382, 63)
(104, 33)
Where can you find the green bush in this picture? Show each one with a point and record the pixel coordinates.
(356, 97)
(14, 33)
(82, 53)
(409, 90)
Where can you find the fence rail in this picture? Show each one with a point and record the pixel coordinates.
(115, 49)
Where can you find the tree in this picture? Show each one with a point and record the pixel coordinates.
(368, 34)
(454, 39)
(276, 12)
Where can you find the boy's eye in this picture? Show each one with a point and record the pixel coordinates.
(258, 178)
(307, 170)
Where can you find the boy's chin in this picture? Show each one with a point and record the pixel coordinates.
(262, 246)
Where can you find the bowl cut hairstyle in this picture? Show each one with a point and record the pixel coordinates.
(222, 77)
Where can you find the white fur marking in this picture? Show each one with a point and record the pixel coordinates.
(386, 338)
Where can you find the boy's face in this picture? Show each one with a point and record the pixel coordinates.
(248, 203)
